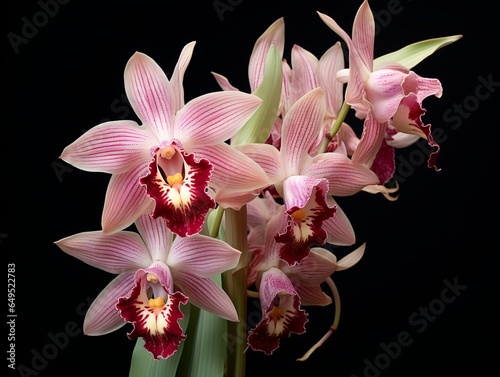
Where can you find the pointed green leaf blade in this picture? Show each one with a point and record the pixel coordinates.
(413, 54)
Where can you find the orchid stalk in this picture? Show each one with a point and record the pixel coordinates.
(232, 195)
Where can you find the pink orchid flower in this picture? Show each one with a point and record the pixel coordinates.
(284, 289)
(308, 183)
(155, 274)
(165, 165)
(391, 92)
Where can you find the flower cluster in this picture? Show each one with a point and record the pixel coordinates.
(279, 155)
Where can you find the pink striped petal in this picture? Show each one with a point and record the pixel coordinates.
(111, 147)
(102, 317)
(125, 200)
(156, 236)
(316, 268)
(345, 177)
(202, 255)
(114, 253)
(313, 296)
(207, 295)
(384, 91)
(223, 82)
(274, 34)
(214, 117)
(150, 95)
(370, 142)
(178, 75)
(363, 34)
(301, 126)
(305, 71)
(352, 258)
(268, 158)
(329, 64)
(339, 228)
(233, 170)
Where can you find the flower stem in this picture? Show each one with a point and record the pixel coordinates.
(344, 110)
(234, 283)
(333, 327)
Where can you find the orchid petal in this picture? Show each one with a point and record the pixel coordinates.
(223, 82)
(345, 177)
(301, 126)
(329, 64)
(338, 228)
(178, 75)
(313, 296)
(125, 200)
(370, 142)
(214, 117)
(150, 94)
(402, 140)
(207, 295)
(305, 68)
(110, 147)
(202, 256)
(114, 253)
(352, 258)
(102, 317)
(384, 92)
(268, 158)
(156, 236)
(274, 34)
(233, 170)
(363, 35)
(316, 268)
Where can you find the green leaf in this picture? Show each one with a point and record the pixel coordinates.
(413, 54)
(144, 364)
(257, 128)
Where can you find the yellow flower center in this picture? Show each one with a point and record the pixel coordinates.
(174, 179)
(299, 215)
(158, 302)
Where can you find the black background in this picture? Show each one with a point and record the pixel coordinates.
(68, 77)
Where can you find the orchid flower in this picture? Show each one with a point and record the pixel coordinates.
(283, 289)
(307, 183)
(166, 165)
(390, 91)
(155, 274)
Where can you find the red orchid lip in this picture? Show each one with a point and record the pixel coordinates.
(156, 320)
(304, 228)
(178, 183)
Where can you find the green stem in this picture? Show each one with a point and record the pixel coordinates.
(234, 283)
(344, 110)
(214, 232)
